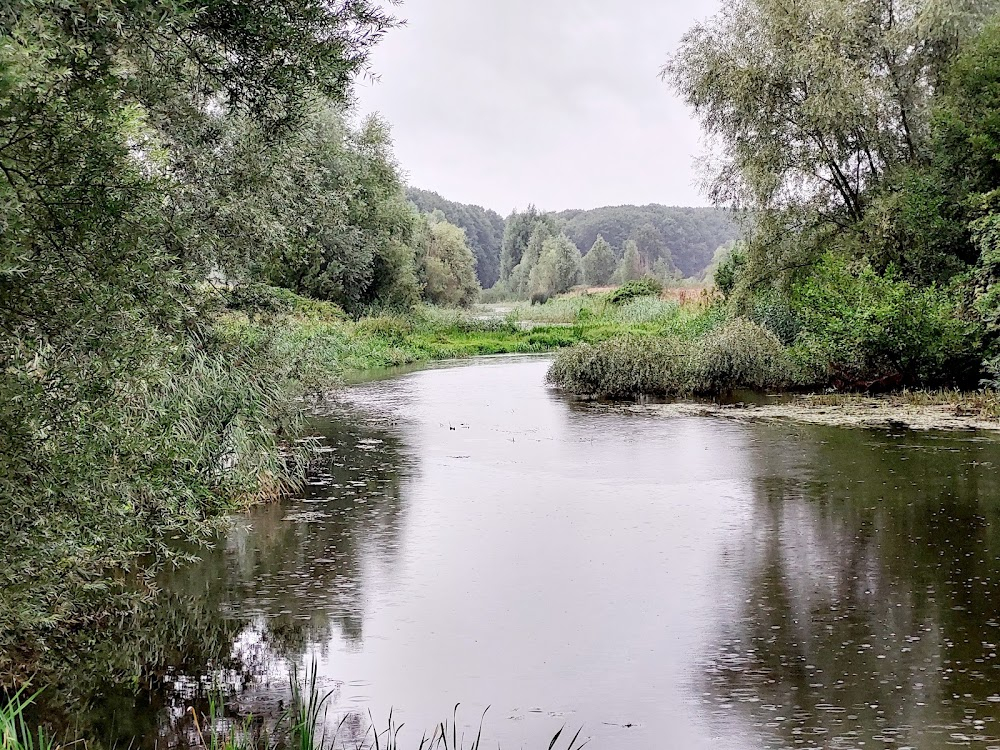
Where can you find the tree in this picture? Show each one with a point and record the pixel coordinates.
(651, 244)
(447, 265)
(810, 103)
(517, 234)
(519, 282)
(630, 267)
(484, 230)
(599, 263)
(346, 230)
(691, 234)
(124, 417)
(664, 271)
(558, 268)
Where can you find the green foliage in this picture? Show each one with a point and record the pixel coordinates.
(772, 310)
(347, 230)
(621, 367)
(484, 230)
(863, 139)
(15, 733)
(516, 237)
(447, 266)
(686, 237)
(598, 263)
(737, 354)
(559, 267)
(520, 278)
(125, 417)
(640, 287)
(631, 267)
(727, 272)
(861, 329)
(819, 101)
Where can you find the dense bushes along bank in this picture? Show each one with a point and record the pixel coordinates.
(842, 327)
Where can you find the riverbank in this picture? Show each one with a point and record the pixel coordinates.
(910, 410)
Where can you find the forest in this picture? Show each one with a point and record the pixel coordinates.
(684, 240)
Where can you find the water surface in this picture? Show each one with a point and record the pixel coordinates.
(473, 537)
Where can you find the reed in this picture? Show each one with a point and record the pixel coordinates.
(303, 726)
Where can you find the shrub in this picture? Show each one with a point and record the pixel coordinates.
(644, 287)
(622, 367)
(772, 310)
(739, 354)
(727, 272)
(861, 329)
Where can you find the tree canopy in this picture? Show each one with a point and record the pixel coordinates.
(599, 263)
(484, 230)
(446, 264)
(686, 237)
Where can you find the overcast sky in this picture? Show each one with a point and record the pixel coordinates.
(553, 102)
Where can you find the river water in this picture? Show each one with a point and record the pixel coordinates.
(472, 536)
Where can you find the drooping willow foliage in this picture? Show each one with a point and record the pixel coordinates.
(137, 142)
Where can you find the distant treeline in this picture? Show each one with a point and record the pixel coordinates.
(686, 239)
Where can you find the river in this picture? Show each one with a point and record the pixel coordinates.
(472, 536)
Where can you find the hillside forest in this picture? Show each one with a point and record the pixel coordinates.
(673, 243)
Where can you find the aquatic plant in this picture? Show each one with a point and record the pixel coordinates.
(303, 726)
(15, 734)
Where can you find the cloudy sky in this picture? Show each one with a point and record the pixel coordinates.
(551, 102)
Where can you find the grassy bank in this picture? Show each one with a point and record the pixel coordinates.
(843, 329)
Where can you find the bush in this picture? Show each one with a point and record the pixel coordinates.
(728, 271)
(739, 354)
(622, 367)
(772, 310)
(644, 287)
(864, 330)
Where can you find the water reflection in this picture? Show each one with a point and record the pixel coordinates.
(870, 613)
(471, 536)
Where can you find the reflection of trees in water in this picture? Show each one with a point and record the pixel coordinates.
(287, 577)
(869, 582)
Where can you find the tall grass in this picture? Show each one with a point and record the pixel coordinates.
(736, 354)
(15, 734)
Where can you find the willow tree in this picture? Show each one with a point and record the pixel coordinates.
(122, 418)
(519, 282)
(558, 268)
(630, 267)
(517, 235)
(809, 103)
(447, 264)
(599, 263)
